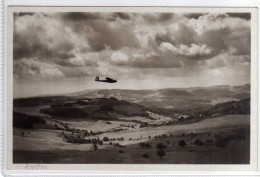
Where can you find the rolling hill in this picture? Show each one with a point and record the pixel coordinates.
(174, 98)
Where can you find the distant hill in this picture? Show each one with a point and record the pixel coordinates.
(39, 101)
(169, 98)
(174, 98)
(232, 107)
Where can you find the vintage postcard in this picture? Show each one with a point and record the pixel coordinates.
(132, 88)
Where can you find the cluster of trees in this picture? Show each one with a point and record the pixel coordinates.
(25, 121)
(145, 145)
(182, 143)
(113, 139)
(80, 140)
(129, 126)
(162, 136)
(144, 124)
(67, 112)
(118, 145)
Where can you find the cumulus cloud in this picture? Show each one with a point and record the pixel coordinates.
(32, 68)
(190, 51)
(157, 17)
(119, 58)
(79, 44)
(40, 36)
(104, 36)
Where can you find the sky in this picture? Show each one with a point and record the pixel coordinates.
(63, 52)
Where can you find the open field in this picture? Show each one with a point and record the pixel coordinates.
(236, 153)
(49, 147)
(98, 125)
(229, 121)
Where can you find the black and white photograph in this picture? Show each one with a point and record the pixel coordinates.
(131, 87)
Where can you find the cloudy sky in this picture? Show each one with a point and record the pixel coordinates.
(64, 52)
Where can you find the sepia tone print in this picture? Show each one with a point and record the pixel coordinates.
(131, 88)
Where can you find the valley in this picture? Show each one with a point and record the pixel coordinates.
(197, 126)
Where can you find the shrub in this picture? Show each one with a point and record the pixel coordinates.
(120, 151)
(160, 146)
(110, 143)
(94, 147)
(105, 139)
(160, 153)
(94, 141)
(121, 139)
(145, 156)
(198, 142)
(164, 136)
(182, 143)
(116, 144)
(100, 142)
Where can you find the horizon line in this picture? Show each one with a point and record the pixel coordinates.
(64, 94)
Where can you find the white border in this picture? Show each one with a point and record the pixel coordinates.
(200, 3)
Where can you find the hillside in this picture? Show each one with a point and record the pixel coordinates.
(154, 107)
(174, 98)
(38, 101)
(232, 107)
(21, 120)
(99, 108)
(240, 107)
